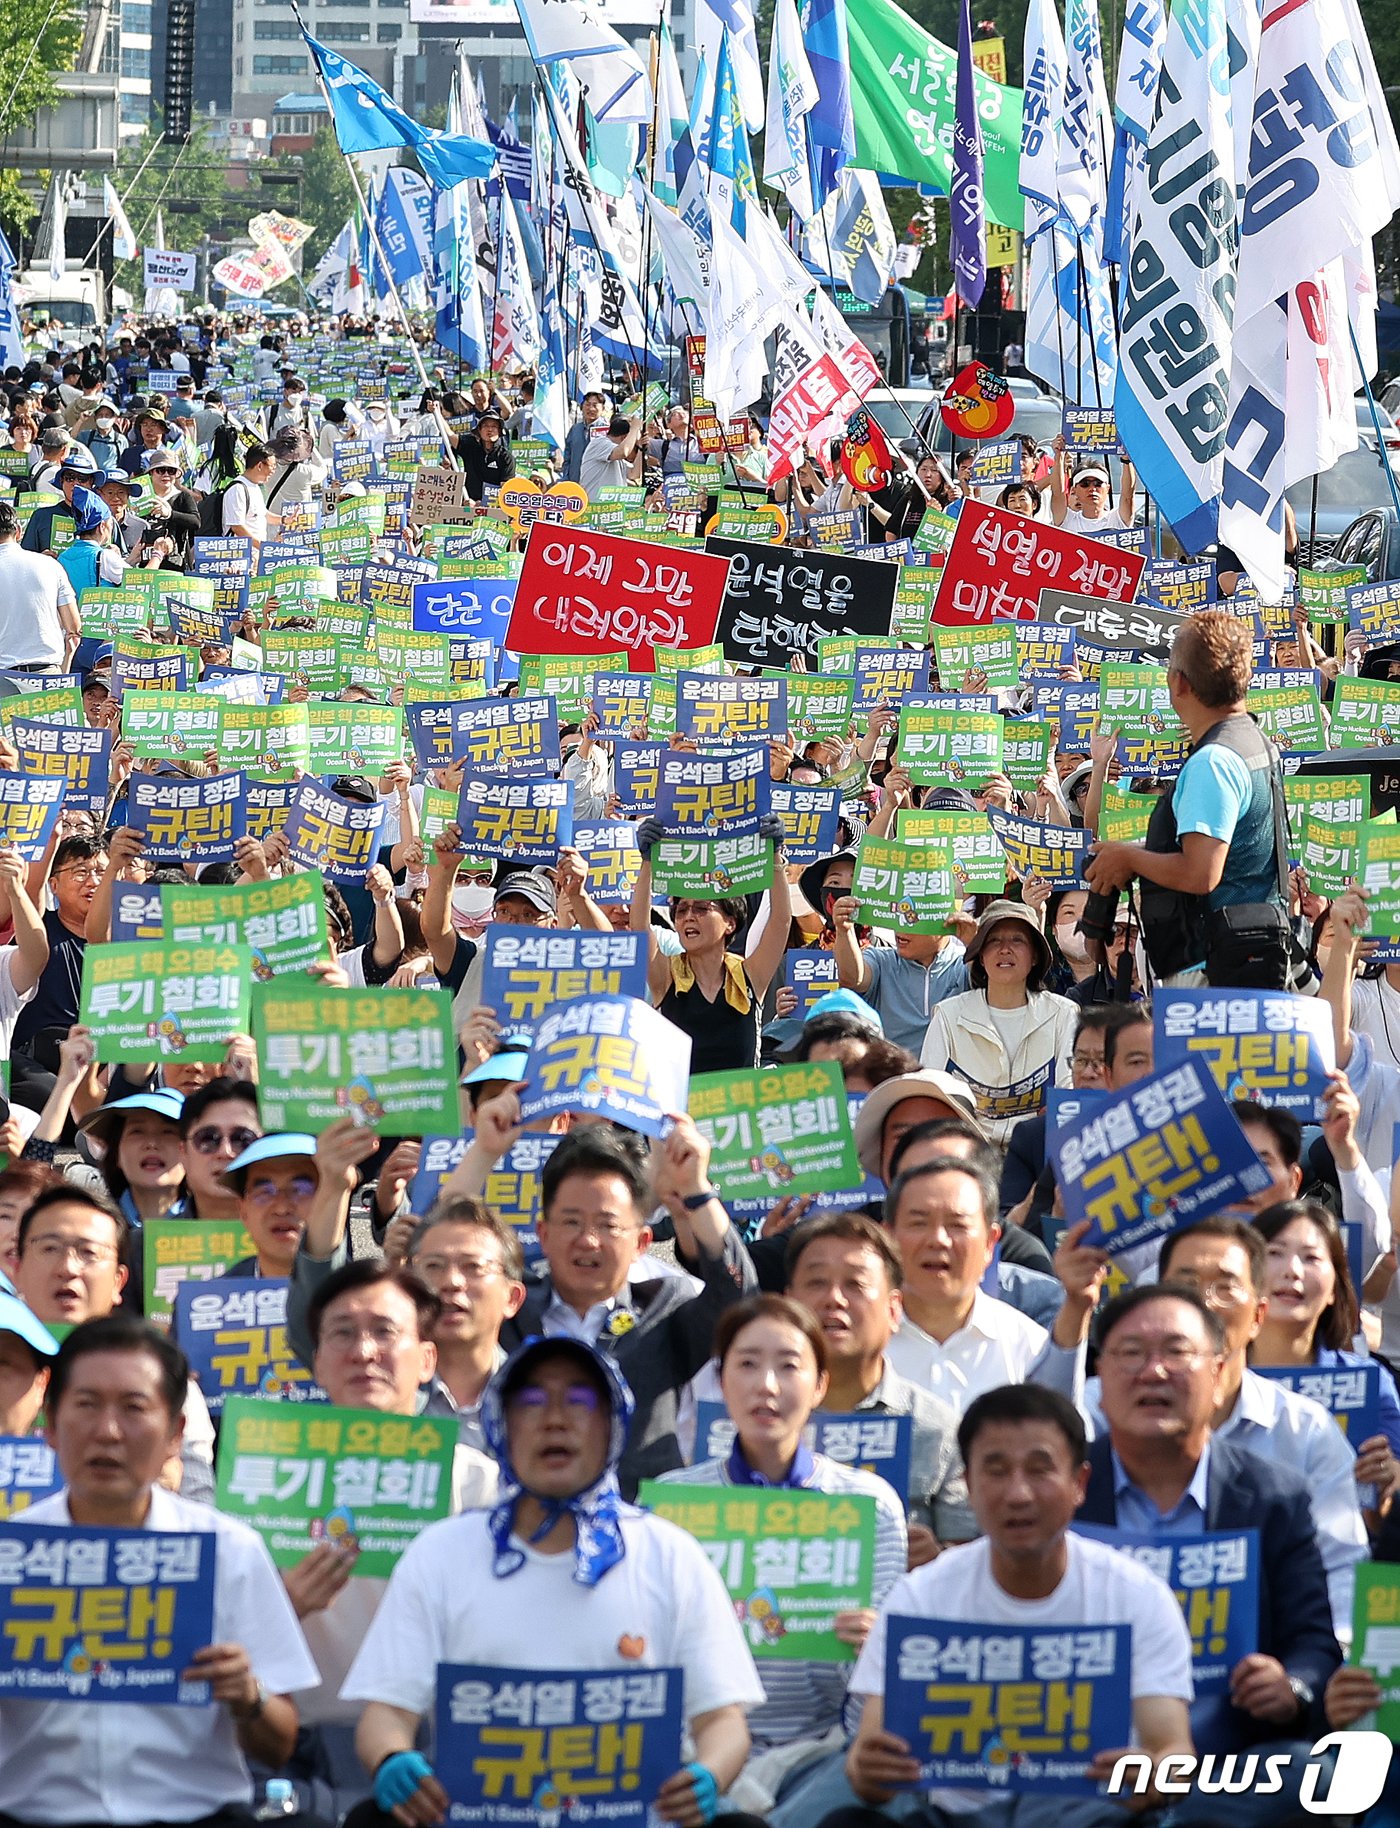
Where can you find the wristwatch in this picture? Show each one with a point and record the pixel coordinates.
(1302, 1694)
(254, 1709)
(694, 1201)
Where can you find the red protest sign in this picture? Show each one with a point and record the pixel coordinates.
(709, 434)
(582, 592)
(695, 356)
(814, 394)
(999, 563)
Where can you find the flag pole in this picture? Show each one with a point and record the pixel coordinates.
(414, 350)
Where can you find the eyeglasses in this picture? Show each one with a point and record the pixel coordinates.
(1224, 1291)
(83, 872)
(1087, 1063)
(164, 469)
(263, 1193)
(582, 1397)
(608, 1230)
(470, 1269)
(209, 1139)
(1133, 1356)
(383, 1335)
(53, 1249)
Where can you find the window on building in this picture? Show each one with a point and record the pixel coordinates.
(390, 34)
(279, 66)
(345, 31)
(135, 110)
(136, 64)
(275, 28)
(136, 16)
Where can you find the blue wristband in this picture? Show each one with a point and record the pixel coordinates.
(398, 1776)
(706, 1790)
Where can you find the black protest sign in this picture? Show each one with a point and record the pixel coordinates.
(1139, 625)
(779, 601)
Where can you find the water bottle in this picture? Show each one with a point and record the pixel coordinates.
(279, 1800)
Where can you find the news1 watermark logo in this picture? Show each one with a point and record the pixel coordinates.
(1348, 1768)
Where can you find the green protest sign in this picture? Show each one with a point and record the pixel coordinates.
(65, 706)
(949, 748)
(777, 1132)
(1365, 712)
(386, 1057)
(789, 1560)
(319, 662)
(1123, 817)
(304, 1474)
(818, 704)
(934, 532)
(282, 922)
(145, 1001)
(837, 653)
(979, 863)
(1342, 798)
(116, 610)
(346, 542)
(689, 659)
(1323, 594)
(706, 869)
(1290, 716)
(165, 724)
(186, 1250)
(1134, 700)
(568, 679)
(1378, 868)
(907, 887)
(1375, 1620)
(1026, 749)
(405, 654)
(977, 659)
(913, 603)
(268, 741)
(1328, 854)
(354, 738)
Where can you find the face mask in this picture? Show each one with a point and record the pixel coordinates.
(472, 900)
(376, 413)
(1071, 941)
(105, 425)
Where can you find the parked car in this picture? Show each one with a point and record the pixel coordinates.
(1353, 498)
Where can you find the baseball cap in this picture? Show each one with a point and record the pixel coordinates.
(290, 1143)
(508, 1064)
(535, 885)
(18, 1317)
(100, 1126)
(355, 787)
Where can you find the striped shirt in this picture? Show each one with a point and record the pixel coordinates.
(805, 1700)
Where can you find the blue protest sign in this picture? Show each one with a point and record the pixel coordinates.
(90, 1614)
(707, 795)
(1007, 1707)
(1179, 587)
(1157, 1156)
(1351, 1394)
(812, 974)
(810, 816)
(611, 1057)
(1043, 647)
(888, 675)
(865, 1439)
(1066, 1104)
(222, 555)
(1074, 707)
(1163, 756)
(1215, 1577)
(29, 809)
(613, 860)
(189, 821)
(28, 1472)
(1054, 853)
(1260, 1044)
(531, 970)
(136, 912)
(81, 758)
(622, 704)
(1374, 610)
(465, 606)
(542, 1745)
(636, 777)
(234, 1333)
(516, 734)
(512, 1187)
(527, 822)
(327, 832)
(711, 707)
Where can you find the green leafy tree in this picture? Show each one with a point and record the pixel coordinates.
(37, 40)
(187, 183)
(327, 196)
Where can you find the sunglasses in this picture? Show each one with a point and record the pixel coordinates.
(210, 1137)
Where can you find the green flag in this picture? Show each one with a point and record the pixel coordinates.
(902, 96)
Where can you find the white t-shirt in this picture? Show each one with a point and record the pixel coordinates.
(10, 1001)
(90, 1761)
(664, 1600)
(1075, 522)
(33, 589)
(245, 507)
(1101, 1586)
(601, 467)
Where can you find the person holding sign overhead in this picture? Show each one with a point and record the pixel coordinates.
(116, 1405)
(616, 1590)
(773, 1374)
(1026, 1473)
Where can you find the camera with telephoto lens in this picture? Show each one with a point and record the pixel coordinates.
(1096, 922)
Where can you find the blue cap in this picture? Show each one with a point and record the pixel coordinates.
(269, 1149)
(102, 1124)
(847, 1003)
(509, 1064)
(18, 1318)
(89, 510)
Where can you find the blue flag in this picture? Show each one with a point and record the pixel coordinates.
(831, 129)
(368, 120)
(966, 202)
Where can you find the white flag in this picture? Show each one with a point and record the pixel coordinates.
(792, 94)
(123, 240)
(568, 32)
(58, 232)
(1042, 115)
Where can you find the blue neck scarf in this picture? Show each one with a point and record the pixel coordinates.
(801, 1473)
(597, 1512)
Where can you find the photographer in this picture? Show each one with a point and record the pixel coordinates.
(1212, 876)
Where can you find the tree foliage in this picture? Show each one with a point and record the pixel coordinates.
(179, 176)
(37, 40)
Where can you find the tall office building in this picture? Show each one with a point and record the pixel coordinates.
(269, 57)
(213, 55)
(126, 54)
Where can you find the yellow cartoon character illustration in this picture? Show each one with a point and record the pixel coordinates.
(907, 912)
(359, 1100)
(262, 971)
(760, 1617)
(771, 1163)
(169, 1033)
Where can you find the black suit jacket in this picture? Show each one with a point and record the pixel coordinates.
(1245, 1492)
(666, 1335)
